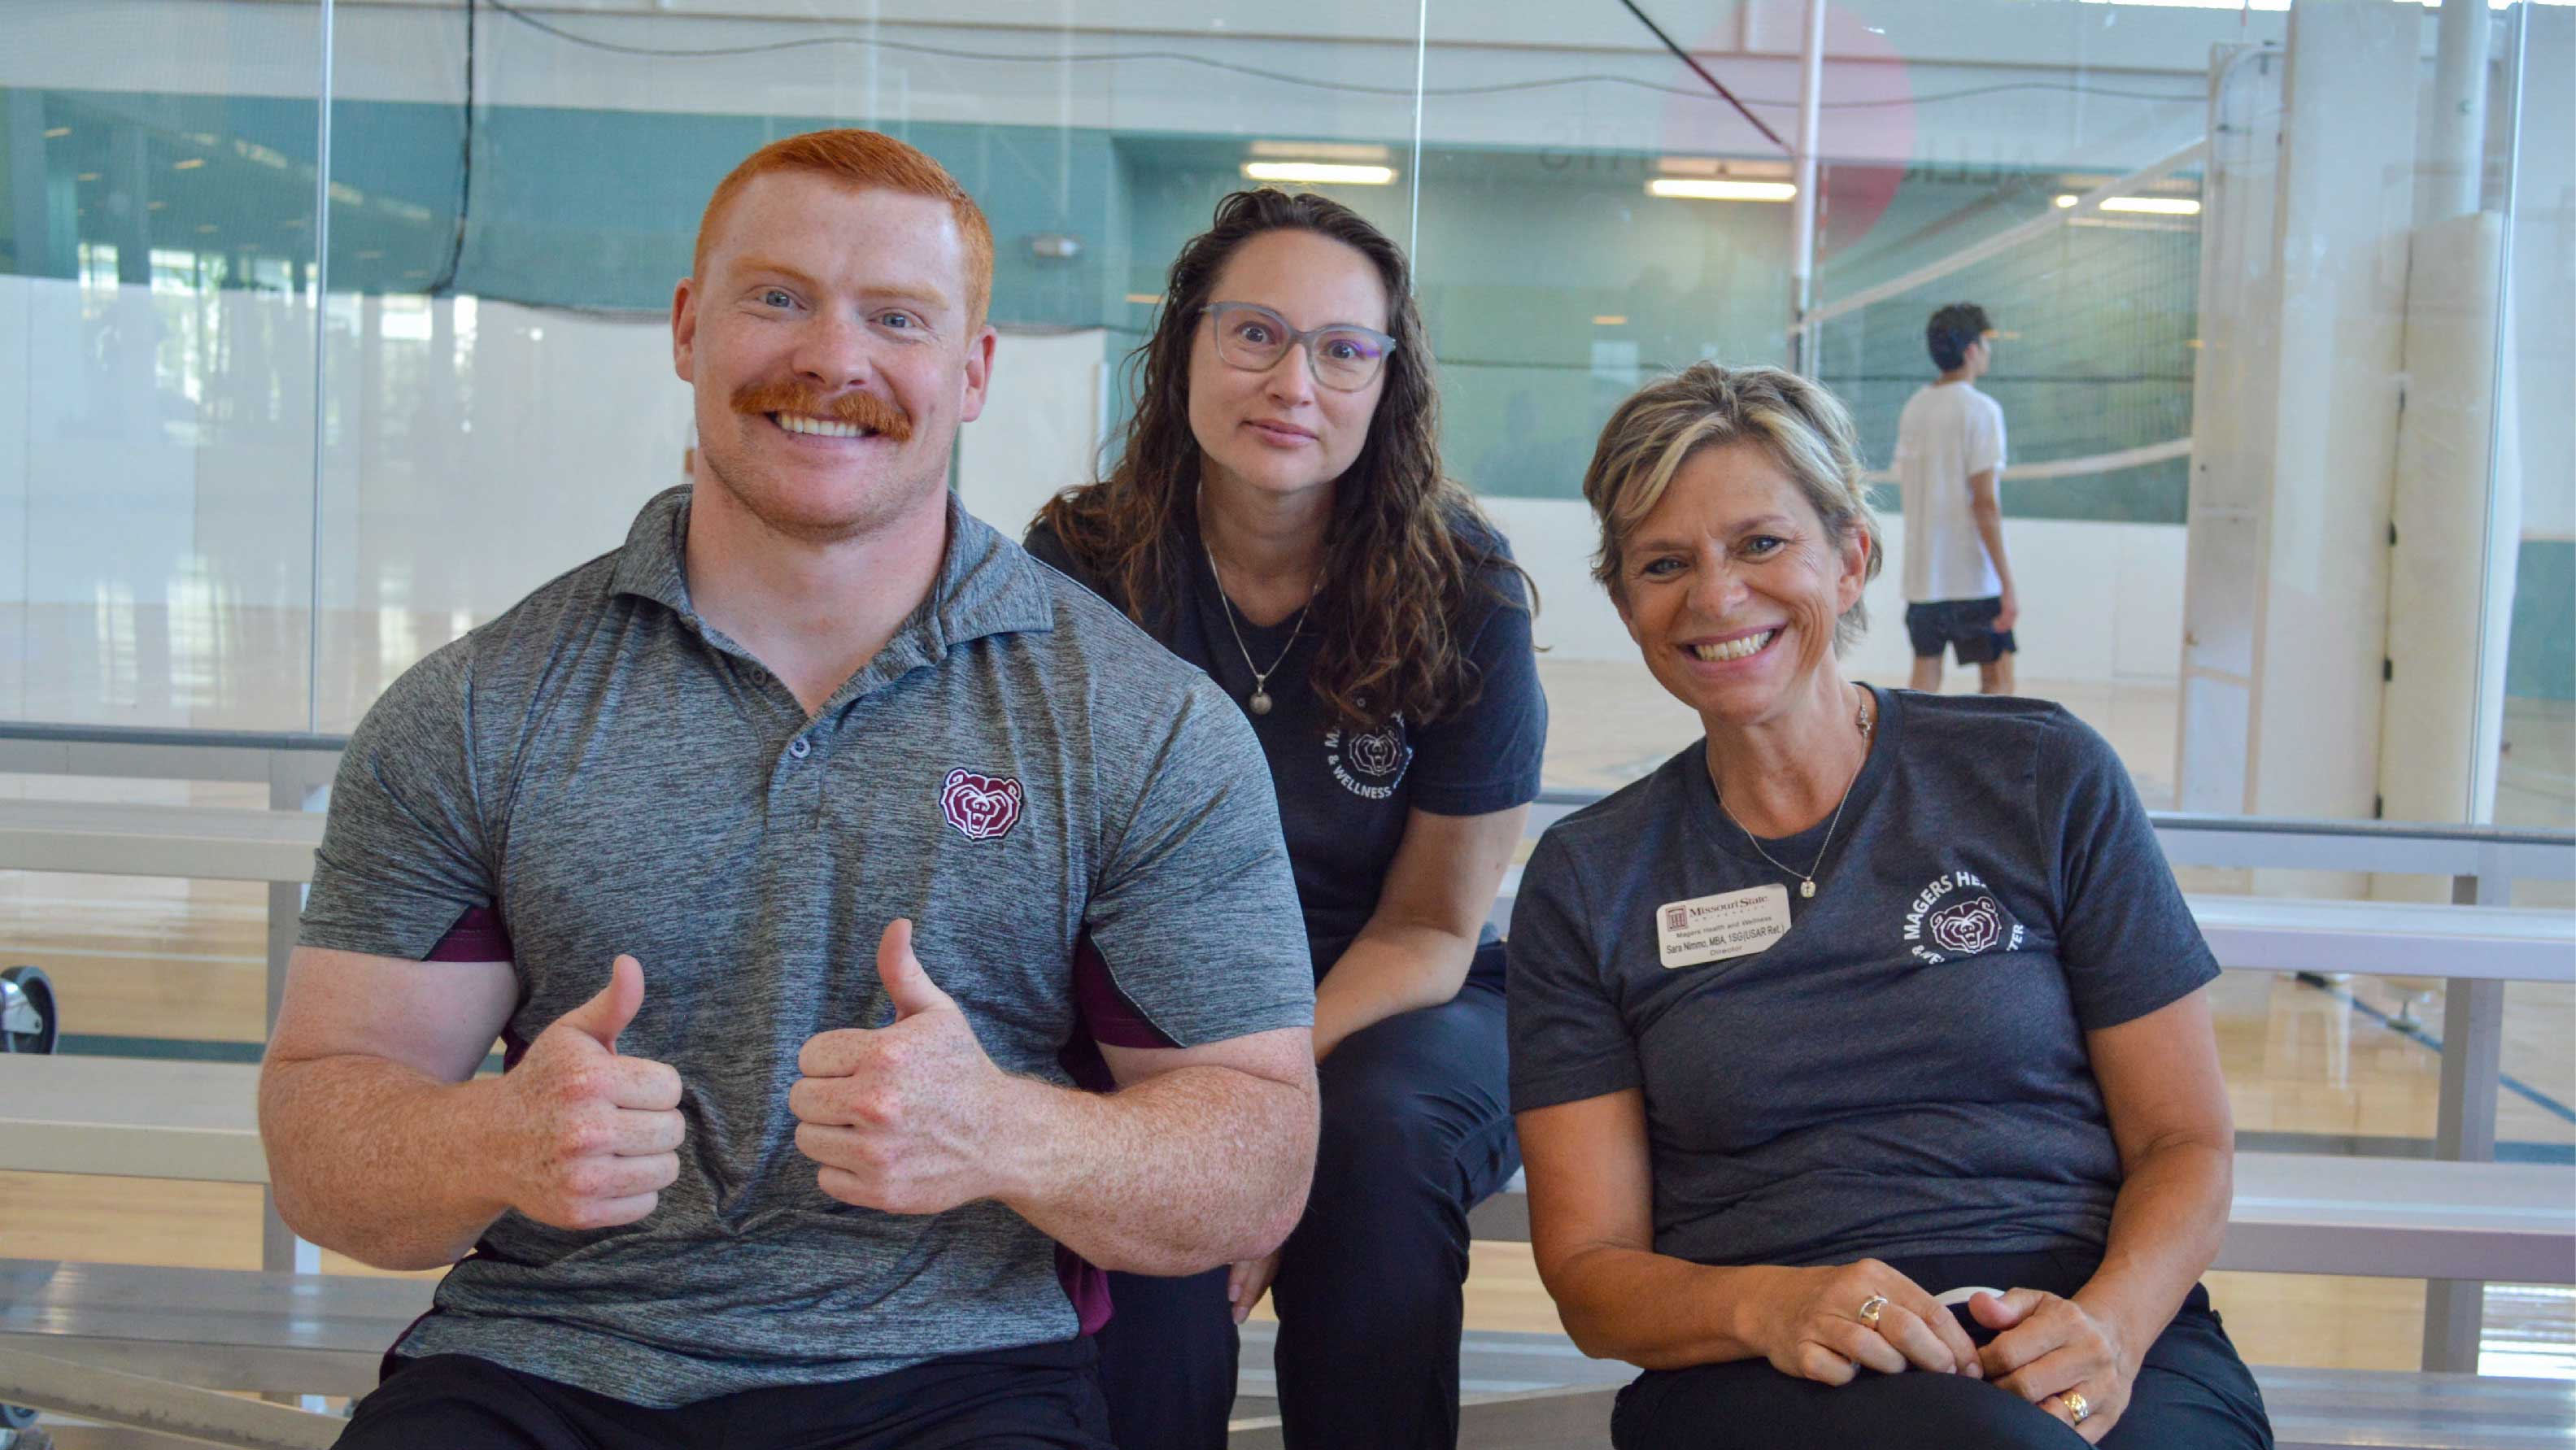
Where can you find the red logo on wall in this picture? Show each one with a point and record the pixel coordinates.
(981, 807)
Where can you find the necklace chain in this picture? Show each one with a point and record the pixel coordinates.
(1807, 878)
(1259, 701)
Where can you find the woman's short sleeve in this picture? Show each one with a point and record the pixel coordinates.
(1568, 1039)
(1487, 756)
(2125, 937)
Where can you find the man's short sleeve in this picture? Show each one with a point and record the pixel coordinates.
(1194, 912)
(1568, 1039)
(1986, 437)
(403, 857)
(1487, 757)
(2125, 937)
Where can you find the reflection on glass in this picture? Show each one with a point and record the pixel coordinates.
(156, 288)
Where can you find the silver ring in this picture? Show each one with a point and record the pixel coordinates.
(2078, 1409)
(1870, 1307)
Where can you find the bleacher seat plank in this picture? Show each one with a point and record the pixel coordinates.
(131, 1117)
(2413, 1218)
(2293, 1213)
(2298, 1213)
(2335, 1409)
(321, 1334)
(213, 843)
(2382, 938)
(2310, 1410)
(2392, 938)
(316, 1334)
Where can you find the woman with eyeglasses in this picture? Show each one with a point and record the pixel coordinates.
(1279, 518)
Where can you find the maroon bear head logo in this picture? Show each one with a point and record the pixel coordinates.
(981, 807)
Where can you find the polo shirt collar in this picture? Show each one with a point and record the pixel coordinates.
(987, 585)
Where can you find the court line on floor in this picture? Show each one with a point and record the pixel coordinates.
(2417, 1034)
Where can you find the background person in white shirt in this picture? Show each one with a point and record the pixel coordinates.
(1949, 449)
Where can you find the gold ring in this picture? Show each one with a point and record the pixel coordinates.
(1870, 1307)
(2078, 1408)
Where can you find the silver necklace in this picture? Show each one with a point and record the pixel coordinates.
(1807, 878)
(1259, 703)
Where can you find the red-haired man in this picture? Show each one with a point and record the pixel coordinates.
(785, 847)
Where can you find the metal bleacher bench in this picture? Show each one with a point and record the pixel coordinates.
(318, 1334)
(2456, 1223)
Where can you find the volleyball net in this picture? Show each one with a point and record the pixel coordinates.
(2095, 303)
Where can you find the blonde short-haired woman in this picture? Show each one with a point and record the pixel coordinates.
(1864, 1003)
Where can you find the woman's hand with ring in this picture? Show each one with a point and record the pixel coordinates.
(1814, 1325)
(2050, 1348)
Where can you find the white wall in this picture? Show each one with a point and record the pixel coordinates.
(1044, 429)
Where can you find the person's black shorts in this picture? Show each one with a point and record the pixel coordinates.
(1968, 625)
(1043, 1397)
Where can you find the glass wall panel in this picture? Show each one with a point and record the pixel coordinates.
(503, 394)
(156, 375)
(2536, 779)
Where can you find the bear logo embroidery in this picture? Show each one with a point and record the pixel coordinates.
(981, 807)
(1968, 928)
(1371, 763)
(1379, 752)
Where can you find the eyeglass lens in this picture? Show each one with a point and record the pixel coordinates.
(1345, 358)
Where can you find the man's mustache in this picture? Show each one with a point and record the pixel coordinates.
(864, 410)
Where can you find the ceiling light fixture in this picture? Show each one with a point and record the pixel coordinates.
(1318, 151)
(1695, 188)
(2151, 205)
(1318, 173)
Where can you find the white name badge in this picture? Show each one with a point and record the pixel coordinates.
(1714, 928)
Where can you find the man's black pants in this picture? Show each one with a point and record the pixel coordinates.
(1043, 1397)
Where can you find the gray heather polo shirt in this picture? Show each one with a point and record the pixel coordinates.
(1020, 769)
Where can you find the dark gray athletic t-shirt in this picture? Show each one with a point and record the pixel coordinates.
(1020, 770)
(1346, 796)
(1905, 1071)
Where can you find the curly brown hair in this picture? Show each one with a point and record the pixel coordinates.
(1406, 551)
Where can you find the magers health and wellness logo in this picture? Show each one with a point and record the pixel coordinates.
(1956, 916)
(1369, 763)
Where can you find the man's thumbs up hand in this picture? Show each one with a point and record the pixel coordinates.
(903, 1117)
(906, 984)
(604, 1016)
(591, 1138)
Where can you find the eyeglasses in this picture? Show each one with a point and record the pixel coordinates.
(1345, 356)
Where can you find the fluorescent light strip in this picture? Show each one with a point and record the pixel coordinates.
(2151, 205)
(1720, 189)
(1318, 151)
(1318, 173)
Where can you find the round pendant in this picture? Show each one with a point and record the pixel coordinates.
(1260, 702)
